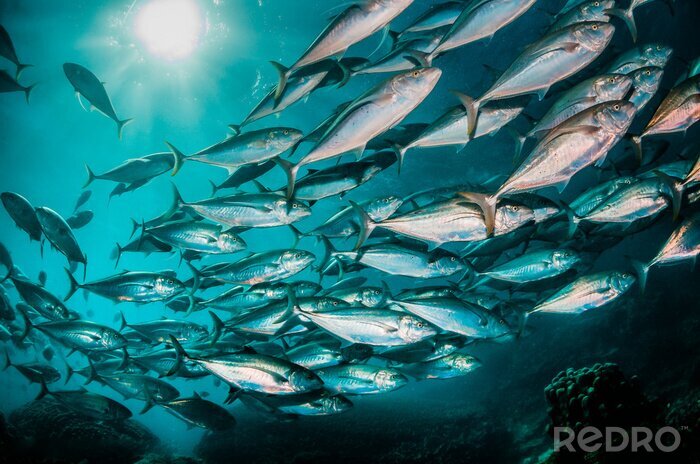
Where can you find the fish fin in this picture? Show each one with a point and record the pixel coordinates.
(43, 392)
(561, 186)
(487, 204)
(637, 145)
(347, 74)
(472, 107)
(117, 253)
(217, 328)
(519, 140)
(77, 95)
(291, 171)
(642, 271)
(385, 33)
(366, 223)
(20, 69)
(235, 128)
(93, 375)
(357, 152)
(122, 321)
(628, 17)
(91, 176)
(233, 394)
(28, 90)
(74, 285)
(179, 158)
(283, 73)
(676, 192)
(297, 235)
(8, 363)
(400, 153)
(180, 355)
(120, 126)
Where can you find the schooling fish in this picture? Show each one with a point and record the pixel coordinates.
(683, 244)
(244, 174)
(437, 16)
(587, 292)
(247, 148)
(481, 19)
(197, 236)
(60, 234)
(198, 412)
(307, 404)
(596, 195)
(85, 83)
(159, 331)
(586, 94)
(646, 82)
(676, 113)
(269, 266)
(361, 379)
(93, 405)
(35, 373)
(22, 213)
(8, 85)
(137, 386)
(135, 171)
(40, 299)
(82, 335)
(594, 10)
(551, 59)
(82, 199)
(447, 367)
(7, 50)
(578, 142)
(343, 224)
(534, 266)
(80, 219)
(354, 24)
(315, 355)
(137, 287)
(653, 54)
(628, 15)
(369, 115)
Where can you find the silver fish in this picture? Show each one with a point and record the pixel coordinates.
(197, 236)
(593, 10)
(361, 379)
(646, 82)
(653, 54)
(269, 266)
(136, 170)
(587, 292)
(447, 367)
(534, 266)
(22, 214)
(60, 234)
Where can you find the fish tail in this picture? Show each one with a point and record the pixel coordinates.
(642, 271)
(235, 128)
(93, 375)
(572, 218)
(122, 321)
(217, 328)
(487, 204)
(135, 225)
(178, 202)
(289, 311)
(20, 69)
(8, 363)
(180, 355)
(400, 153)
(120, 126)
(179, 158)
(28, 90)
(283, 72)
(628, 17)
(69, 374)
(196, 278)
(298, 235)
(74, 286)
(214, 188)
(472, 107)
(328, 251)
(90, 174)
(637, 145)
(367, 225)
(519, 140)
(43, 392)
(676, 188)
(291, 171)
(347, 72)
(117, 254)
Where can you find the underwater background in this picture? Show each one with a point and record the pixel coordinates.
(499, 413)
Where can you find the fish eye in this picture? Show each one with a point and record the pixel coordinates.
(335, 303)
(295, 205)
(611, 80)
(647, 72)
(594, 27)
(419, 324)
(171, 281)
(453, 258)
(285, 132)
(616, 107)
(658, 47)
(596, 4)
(298, 255)
(416, 73)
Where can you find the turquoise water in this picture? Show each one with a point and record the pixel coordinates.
(191, 101)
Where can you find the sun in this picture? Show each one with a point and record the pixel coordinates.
(170, 29)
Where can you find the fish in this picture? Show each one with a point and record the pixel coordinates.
(93, 405)
(82, 200)
(594, 10)
(447, 221)
(41, 300)
(163, 362)
(580, 141)
(8, 84)
(198, 412)
(481, 19)
(307, 404)
(369, 297)
(370, 326)
(403, 56)
(255, 372)
(59, 233)
(22, 214)
(591, 92)
(243, 175)
(535, 266)
(138, 386)
(136, 171)
(340, 179)
(361, 379)
(398, 259)
(246, 209)
(89, 86)
(458, 316)
(159, 331)
(7, 312)
(270, 266)
(676, 113)
(7, 51)
(596, 195)
(683, 244)
(137, 287)
(627, 15)
(237, 300)
(652, 54)
(315, 355)
(448, 367)
(6, 262)
(646, 82)
(587, 292)
(343, 224)
(80, 219)
(551, 59)
(34, 372)
(81, 335)
(428, 350)
(145, 245)
(436, 16)
(352, 25)
(197, 236)
(450, 129)
(242, 149)
(377, 110)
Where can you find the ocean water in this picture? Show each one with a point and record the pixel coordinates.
(497, 413)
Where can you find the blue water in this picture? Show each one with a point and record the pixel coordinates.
(190, 102)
